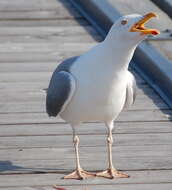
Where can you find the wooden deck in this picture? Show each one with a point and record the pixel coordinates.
(36, 151)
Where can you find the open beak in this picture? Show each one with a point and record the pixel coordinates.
(139, 26)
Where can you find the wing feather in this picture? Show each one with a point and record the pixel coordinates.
(130, 90)
(60, 92)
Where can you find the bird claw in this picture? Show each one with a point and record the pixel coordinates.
(79, 174)
(111, 174)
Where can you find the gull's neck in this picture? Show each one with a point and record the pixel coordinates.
(118, 52)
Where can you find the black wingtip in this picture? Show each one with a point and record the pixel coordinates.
(51, 114)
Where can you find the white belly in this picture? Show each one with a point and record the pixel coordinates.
(99, 98)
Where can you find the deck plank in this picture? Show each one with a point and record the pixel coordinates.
(32, 104)
(44, 22)
(164, 186)
(51, 160)
(139, 177)
(142, 115)
(86, 140)
(36, 151)
(42, 31)
(31, 5)
(87, 128)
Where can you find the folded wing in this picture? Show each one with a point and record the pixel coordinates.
(130, 90)
(60, 92)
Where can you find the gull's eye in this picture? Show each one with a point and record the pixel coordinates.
(123, 22)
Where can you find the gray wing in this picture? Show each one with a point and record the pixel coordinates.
(66, 64)
(61, 87)
(130, 90)
(60, 92)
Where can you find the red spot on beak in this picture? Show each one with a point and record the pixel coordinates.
(155, 32)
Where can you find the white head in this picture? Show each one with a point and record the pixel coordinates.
(131, 29)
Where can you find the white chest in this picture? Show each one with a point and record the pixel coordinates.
(99, 96)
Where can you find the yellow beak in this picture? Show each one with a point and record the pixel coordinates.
(139, 26)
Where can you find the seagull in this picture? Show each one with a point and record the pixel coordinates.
(97, 85)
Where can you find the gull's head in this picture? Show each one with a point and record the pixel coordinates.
(132, 28)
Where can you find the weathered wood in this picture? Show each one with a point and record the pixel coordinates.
(44, 47)
(38, 95)
(144, 116)
(57, 39)
(61, 165)
(36, 85)
(36, 10)
(86, 140)
(21, 5)
(19, 82)
(164, 186)
(43, 22)
(43, 67)
(43, 14)
(139, 177)
(35, 102)
(39, 76)
(86, 152)
(29, 107)
(86, 128)
(43, 32)
(37, 56)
